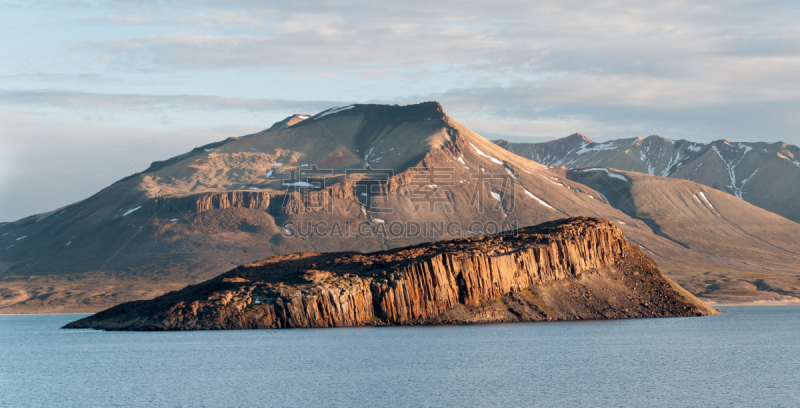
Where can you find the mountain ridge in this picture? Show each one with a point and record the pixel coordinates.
(764, 174)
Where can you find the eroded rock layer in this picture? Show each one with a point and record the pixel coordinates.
(577, 268)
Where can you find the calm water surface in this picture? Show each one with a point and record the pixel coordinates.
(749, 356)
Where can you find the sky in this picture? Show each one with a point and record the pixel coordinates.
(91, 92)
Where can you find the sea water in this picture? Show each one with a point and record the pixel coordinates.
(749, 356)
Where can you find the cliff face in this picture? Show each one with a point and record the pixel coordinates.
(275, 203)
(578, 268)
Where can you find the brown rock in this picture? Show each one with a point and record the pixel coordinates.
(577, 268)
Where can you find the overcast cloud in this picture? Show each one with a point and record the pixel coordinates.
(142, 81)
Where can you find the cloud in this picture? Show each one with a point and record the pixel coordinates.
(528, 113)
(201, 20)
(144, 102)
(670, 39)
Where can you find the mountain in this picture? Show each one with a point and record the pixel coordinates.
(764, 174)
(572, 269)
(757, 247)
(359, 178)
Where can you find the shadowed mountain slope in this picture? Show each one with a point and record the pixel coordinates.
(764, 174)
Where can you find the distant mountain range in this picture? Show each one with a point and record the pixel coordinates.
(373, 177)
(764, 174)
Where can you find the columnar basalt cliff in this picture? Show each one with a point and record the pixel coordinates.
(577, 268)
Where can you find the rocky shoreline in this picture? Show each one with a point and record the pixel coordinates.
(572, 269)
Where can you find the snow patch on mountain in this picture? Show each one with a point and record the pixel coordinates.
(586, 147)
(542, 202)
(731, 167)
(672, 161)
(298, 184)
(703, 196)
(334, 110)
(131, 210)
(610, 174)
(554, 182)
(494, 160)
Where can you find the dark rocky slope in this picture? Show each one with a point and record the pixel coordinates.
(572, 269)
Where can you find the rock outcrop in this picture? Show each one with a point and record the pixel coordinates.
(577, 268)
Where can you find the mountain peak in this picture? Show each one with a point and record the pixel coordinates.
(578, 137)
(289, 121)
(386, 113)
(656, 138)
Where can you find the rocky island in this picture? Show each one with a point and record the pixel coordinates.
(571, 269)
